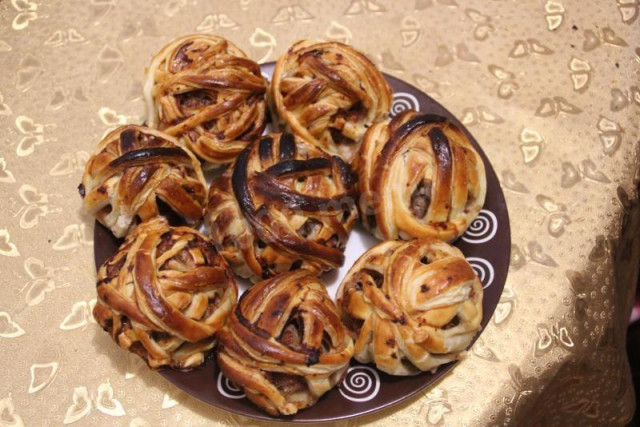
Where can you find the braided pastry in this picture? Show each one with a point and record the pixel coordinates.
(284, 204)
(204, 90)
(284, 343)
(329, 93)
(164, 294)
(134, 169)
(412, 305)
(419, 176)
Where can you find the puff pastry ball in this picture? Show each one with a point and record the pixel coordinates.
(284, 204)
(204, 90)
(329, 93)
(165, 294)
(419, 176)
(411, 306)
(284, 343)
(134, 172)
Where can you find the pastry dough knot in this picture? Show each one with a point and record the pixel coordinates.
(284, 204)
(284, 343)
(164, 294)
(136, 173)
(329, 93)
(419, 176)
(411, 306)
(204, 90)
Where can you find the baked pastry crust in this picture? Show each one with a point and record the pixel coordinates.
(284, 204)
(329, 93)
(135, 167)
(164, 294)
(204, 90)
(419, 176)
(411, 306)
(284, 344)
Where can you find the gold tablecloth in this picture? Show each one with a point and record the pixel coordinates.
(549, 89)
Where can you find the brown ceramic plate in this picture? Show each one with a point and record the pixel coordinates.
(487, 245)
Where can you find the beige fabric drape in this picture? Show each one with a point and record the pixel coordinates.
(550, 89)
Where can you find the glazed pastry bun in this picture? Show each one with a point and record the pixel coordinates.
(419, 176)
(285, 344)
(411, 306)
(134, 171)
(204, 90)
(329, 93)
(284, 204)
(164, 295)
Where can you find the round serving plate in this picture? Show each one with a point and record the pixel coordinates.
(486, 244)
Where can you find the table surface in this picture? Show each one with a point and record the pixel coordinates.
(548, 88)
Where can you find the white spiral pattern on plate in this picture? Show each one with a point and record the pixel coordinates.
(227, 389)
(404, 101)
(482, 229)
(361, 384)
(483, 269)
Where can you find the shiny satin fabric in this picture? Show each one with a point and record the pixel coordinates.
(548, 88)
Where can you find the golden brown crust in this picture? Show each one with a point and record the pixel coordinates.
(419, 176)
(132, 169)
(283, 204)
(164, 294)
(284, 343)
(204, 90)
(412, 306)
(328, 93)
